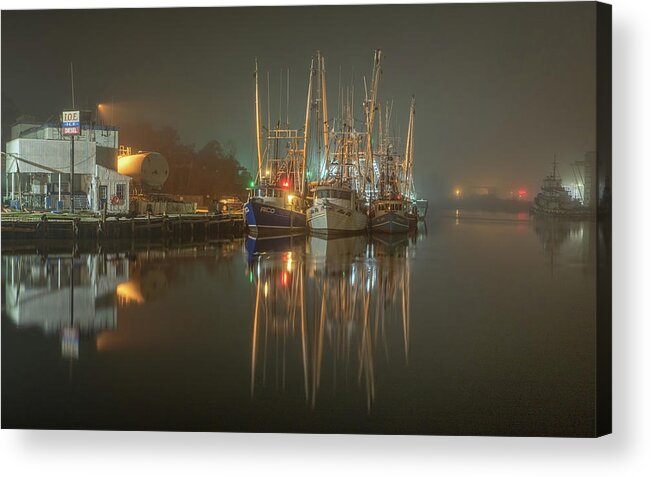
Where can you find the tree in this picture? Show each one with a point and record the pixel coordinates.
(212, 171)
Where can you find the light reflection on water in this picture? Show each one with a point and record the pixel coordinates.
(473, 318)
(333, 298)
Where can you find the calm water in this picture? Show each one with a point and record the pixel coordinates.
(477, 325)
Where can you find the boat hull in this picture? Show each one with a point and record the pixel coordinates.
(391, 223)
(421, 208)
(334, 220)
(269, 219)
(555, 209)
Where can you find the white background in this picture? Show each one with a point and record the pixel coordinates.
(626, 452)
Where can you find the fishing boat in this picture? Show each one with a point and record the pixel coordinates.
(394, 210)
(337, 207)
(556, 200)
(336, 210)
(389, 216)
(274, 210)
(276, 204)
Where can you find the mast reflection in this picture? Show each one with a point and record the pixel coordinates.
(328, 305)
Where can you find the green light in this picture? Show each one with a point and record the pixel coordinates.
(252, 184)
(250, 277)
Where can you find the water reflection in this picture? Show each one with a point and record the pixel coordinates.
(328, 307)
(440, 333)
(77, 295)
(573, 238)
(64, 295)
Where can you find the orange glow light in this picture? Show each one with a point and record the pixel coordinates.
(129, 293)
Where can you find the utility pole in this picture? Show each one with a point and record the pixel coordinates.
(72, 147)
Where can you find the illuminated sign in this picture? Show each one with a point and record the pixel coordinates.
(70, 123)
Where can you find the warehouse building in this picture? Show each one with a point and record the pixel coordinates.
(38, 168)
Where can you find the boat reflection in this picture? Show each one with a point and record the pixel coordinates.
(575, 239)
(264, 245)
(335, 309)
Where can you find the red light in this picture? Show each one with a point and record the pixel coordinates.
(522, 193)
(285, 184)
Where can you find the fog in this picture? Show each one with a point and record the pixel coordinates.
(499, 88)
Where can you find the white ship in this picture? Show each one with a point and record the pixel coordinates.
(337, 207)
(336, 210)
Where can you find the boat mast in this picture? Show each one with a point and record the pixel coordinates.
(257, 121)
(381, 137)
(389, 112)
(370, 116)
(409, 148)
(324, 110)
(307, 127)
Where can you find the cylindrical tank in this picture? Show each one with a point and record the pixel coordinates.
(148, 168)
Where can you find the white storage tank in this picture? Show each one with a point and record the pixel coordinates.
(149, 169)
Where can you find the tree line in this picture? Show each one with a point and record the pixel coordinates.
(211, 171)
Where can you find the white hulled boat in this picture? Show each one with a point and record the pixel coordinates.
(336, 208)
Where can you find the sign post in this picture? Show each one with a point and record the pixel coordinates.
(72, 128)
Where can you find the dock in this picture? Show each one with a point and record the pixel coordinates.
(181, 227)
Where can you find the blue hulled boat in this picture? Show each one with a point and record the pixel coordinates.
(276, 204)
(273, 210)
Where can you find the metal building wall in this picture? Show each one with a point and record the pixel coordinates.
(51, 153)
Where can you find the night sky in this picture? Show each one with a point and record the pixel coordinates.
(499, 88)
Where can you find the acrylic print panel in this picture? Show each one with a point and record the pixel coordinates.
(271, 224)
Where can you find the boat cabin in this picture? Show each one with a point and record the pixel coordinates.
(332, 193)
(268, 191)
(392, 206)
(276, 196)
